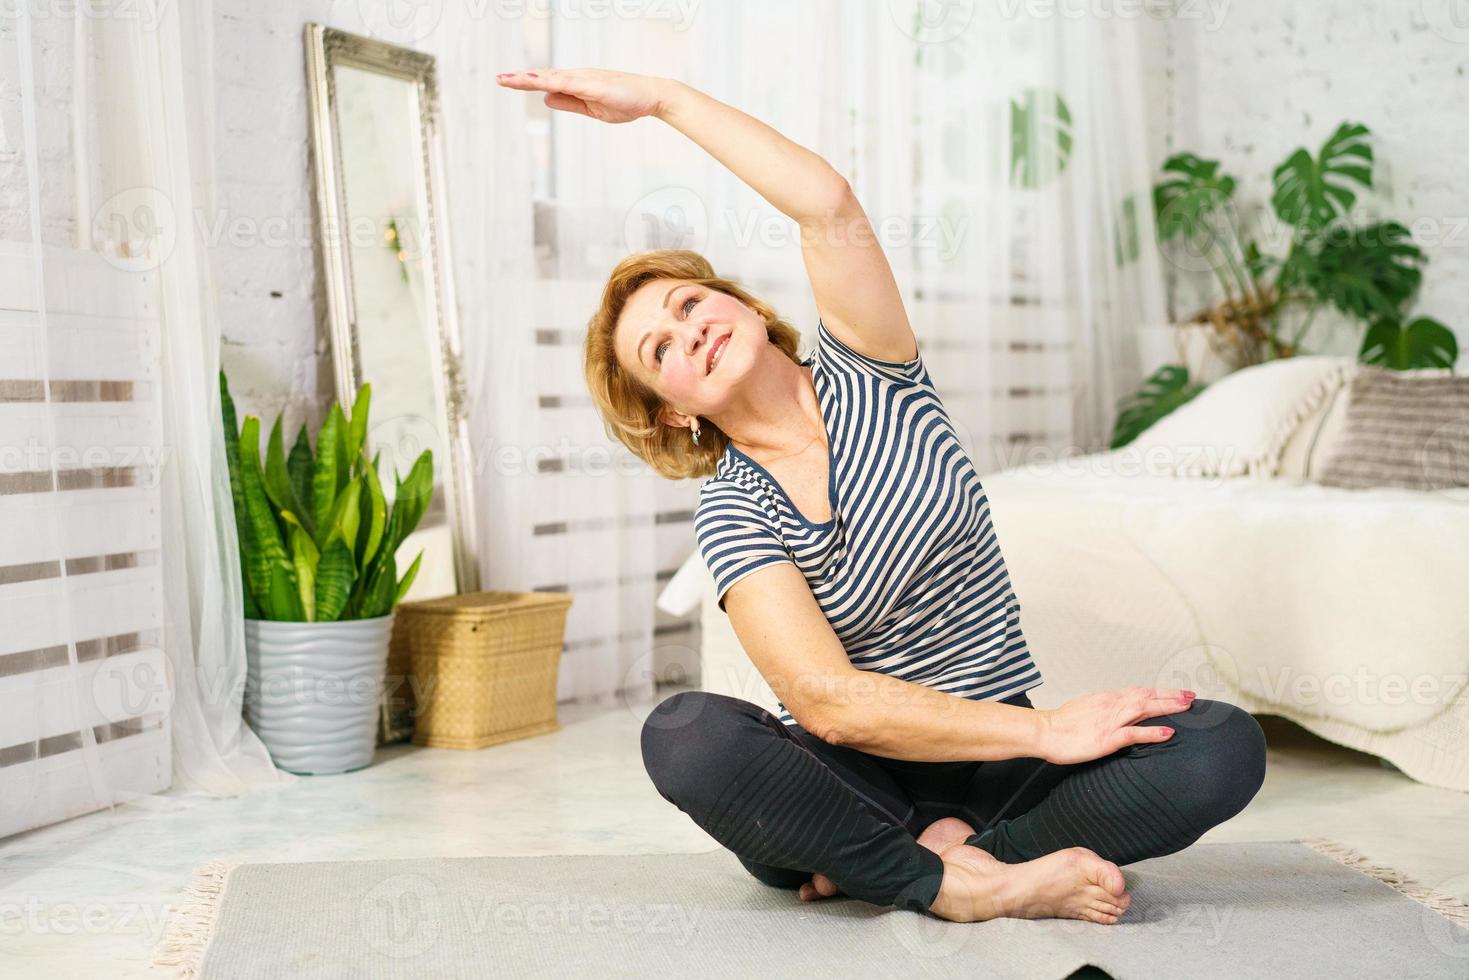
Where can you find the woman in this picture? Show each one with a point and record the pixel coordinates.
(851, 544)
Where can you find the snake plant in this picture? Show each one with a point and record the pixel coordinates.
(318, 538)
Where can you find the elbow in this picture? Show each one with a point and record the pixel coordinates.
(828, 723)
(834, 200)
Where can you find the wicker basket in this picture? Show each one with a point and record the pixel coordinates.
(485, 665)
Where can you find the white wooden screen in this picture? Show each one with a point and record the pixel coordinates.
(84, 691)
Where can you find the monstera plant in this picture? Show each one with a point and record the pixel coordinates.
(318, 541)
(1326, 261)
(1368, 272)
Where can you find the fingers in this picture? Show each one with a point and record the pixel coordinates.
(1142, 734)
(525, 81)
(571, 81)
(536, 79)
(1150, 702)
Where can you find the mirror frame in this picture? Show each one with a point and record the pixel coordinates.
(327, 48)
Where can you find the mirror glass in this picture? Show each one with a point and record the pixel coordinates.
(382, 174)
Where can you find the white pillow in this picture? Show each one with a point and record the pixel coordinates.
(1240, 424)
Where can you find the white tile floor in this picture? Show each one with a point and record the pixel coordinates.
(86, 898)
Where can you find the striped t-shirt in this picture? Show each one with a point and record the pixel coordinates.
(907, 570)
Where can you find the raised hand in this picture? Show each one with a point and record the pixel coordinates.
(1096, 725)
(611, 96)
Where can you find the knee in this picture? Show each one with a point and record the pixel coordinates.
(687, 738)
(1225, 759)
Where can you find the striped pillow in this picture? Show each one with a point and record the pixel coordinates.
(1409, 431)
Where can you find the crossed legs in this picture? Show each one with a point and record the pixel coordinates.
(789, 806)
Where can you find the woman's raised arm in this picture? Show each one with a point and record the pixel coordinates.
(853, 286)
(796, 181)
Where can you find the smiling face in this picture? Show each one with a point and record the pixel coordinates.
(690, 344)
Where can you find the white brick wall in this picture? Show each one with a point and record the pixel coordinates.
(1277, 74)
(276, 353)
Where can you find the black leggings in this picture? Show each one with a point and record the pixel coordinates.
(788, 804)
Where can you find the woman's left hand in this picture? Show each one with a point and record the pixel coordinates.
(611, 96)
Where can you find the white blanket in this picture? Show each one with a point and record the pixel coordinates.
(1337, 604)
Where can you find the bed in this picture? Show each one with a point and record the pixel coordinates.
(1342, 610)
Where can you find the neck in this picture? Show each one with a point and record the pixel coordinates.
(777, 413)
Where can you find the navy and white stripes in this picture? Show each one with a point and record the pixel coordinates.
(907, 570)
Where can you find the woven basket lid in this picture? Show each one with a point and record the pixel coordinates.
(486, 604)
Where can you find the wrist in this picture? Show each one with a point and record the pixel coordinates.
(1041, 734)
(670, 92)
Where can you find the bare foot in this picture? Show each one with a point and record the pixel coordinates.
(1074, 883)
(938, 837)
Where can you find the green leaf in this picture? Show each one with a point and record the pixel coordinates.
(412, 495)
(345, 462)
(334, 576)
(237, 494)
(1040, 137)
(345, 515)
(298, 467)
(277, 479)
(1311, 193)
(406, 581)
(268, 549)
(1365, 272)
(348, 514)
(1424, 343)
(1164, 390)
(378, 600)
(1193, 200)
(357, 428)
(285, 595)
(325, 484)
(304, 558)
(375, 511)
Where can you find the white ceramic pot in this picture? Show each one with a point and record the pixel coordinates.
(312, 691)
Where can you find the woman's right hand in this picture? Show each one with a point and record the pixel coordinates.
(1096, 725)
(611, 96)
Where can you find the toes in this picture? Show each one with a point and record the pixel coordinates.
(1109, 876)
(1092, 915)
(824, 885)
(1100, 893)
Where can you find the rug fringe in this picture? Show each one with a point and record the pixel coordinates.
(191, 923)
(1451, 908)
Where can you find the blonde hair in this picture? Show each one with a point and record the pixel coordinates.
(628, 407)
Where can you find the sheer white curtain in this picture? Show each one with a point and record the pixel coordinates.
(121, 647)
(1001, 160)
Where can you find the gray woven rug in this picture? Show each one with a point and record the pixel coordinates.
(1269, 910)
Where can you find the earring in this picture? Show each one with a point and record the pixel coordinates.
(695, 431)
